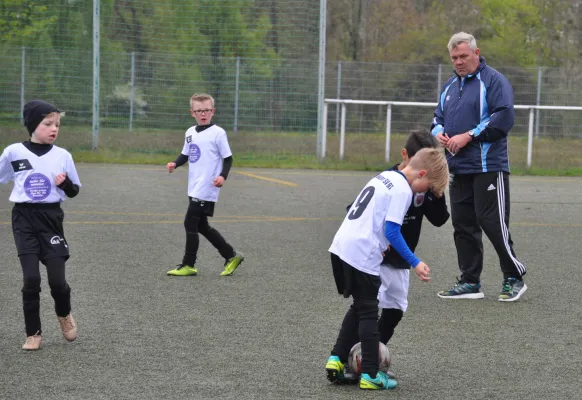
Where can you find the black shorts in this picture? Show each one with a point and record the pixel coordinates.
(201, 207)
(38, 229)
(353, 282)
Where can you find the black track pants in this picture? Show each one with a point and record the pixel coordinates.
(480, 203)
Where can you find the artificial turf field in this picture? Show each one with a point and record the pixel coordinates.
(266, 331)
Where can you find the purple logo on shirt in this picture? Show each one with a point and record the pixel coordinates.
(37, 187)
(194, 153)
(419, 199)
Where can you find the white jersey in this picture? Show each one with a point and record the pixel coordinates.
(34, 176)
(206, 151)
(361, 238)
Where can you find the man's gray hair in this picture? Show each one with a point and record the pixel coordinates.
(462, 37)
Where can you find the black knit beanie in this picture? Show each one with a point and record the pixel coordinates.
(34, 112)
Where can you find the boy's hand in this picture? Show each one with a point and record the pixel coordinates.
(60, 178)
(422, 271)
(171, 166)
(218, 181)
(438, 195)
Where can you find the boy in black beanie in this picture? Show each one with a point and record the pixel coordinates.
(44, 175)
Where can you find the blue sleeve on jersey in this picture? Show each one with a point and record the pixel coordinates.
(396, 240)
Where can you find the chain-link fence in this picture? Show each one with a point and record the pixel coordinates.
(152, 91)
(257, 58)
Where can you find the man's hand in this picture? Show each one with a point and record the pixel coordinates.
(457, 142)
(171, 166)
(422, 271)
(218, 181)
(443, 139)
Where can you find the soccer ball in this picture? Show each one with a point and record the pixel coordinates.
(355, 358)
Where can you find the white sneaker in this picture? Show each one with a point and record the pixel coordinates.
(68, 327)
(32, 342)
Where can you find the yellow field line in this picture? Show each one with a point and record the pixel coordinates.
(369, 173)
(222, 220)
(151, 214)
(274, 171)
(265, 178)
(267, 217)
(130, 167)
(318, 173)
(274, 219)
(310, 172)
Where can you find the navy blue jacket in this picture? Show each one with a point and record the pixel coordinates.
(481, 102)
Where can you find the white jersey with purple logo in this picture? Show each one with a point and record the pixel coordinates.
(361, 238)
(206, 151)
(34, 176)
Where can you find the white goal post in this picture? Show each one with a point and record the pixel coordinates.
(390, 104)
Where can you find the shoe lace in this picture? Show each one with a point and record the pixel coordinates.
(31, 339)
(67, 323)
(508, 284)
(382, 377)
(227, 260)
(457, 284)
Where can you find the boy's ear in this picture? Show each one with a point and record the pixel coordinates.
(404, 155)
(422, 173)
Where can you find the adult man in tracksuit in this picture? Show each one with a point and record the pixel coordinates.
(472, 119)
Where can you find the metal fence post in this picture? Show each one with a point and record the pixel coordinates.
(339, 88)
(388, 131)
(236, 83)
(321, 74)
(22, 79)
(324, 129)
(530, 136)
(342, 132)
(538, 101)
(439, 81)
(96, 42)
(132, 91)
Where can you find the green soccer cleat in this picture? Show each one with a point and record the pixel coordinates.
(232, 264)
(380, 382)
(335, 370)
(183, 270)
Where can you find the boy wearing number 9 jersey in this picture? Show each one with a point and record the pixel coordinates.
(372, 224)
